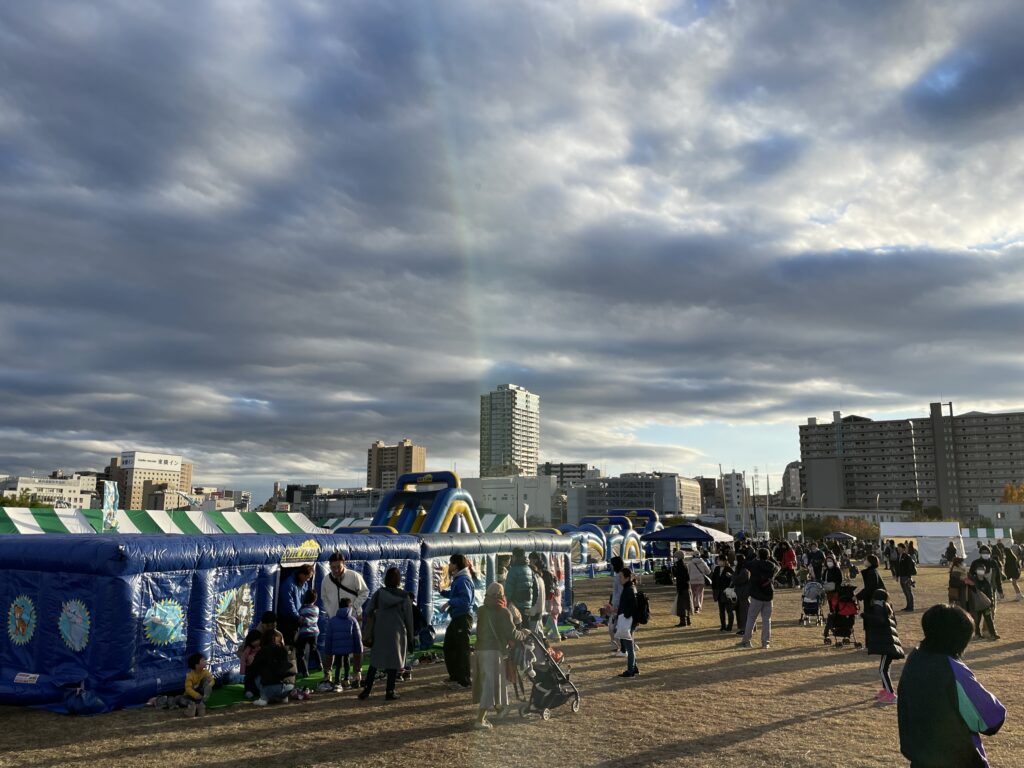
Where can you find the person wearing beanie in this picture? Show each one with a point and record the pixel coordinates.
(882, 639)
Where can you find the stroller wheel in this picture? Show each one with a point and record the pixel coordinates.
(576, 704)
(546, 714)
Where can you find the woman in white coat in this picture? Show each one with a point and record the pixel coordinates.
(699, 571)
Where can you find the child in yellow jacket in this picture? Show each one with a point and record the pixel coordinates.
(198, 686)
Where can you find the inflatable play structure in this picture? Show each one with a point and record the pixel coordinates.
(599, 538)
(119, 615)
(429, 502)
(23, 520)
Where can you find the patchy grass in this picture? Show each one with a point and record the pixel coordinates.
(700, 701)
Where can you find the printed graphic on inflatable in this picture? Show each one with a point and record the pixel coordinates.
(74, 624)
(21, 620)
(164, 623)
(234, 615)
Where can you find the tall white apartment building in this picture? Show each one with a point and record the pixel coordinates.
(509, 432)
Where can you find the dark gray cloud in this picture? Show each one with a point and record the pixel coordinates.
(267, 235)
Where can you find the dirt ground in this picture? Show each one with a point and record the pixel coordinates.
(700, 701)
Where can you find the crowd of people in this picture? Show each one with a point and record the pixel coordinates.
(742, 580)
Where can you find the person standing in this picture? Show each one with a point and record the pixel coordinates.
(342, 582)
(1011, 570)
(461, 596)
(872, 581)
(906, 570)
(950, 552)
(762, 592)
(721, 580)
(942, 709)
(741, 583)
(495, 630)
(390, 633)
(698, 572)
(684, 595)
(627, 620)
(521, 587)
(788, 563)
(893, 555)
(958, 584)
(617, 565)
(882, 639)
(293, 589)
(984, 582)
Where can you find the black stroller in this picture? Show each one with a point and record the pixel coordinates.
(551, 686)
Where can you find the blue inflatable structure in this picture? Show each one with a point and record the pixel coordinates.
(119, 615)
(429, 502)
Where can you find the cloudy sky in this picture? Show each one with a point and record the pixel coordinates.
(265, 234)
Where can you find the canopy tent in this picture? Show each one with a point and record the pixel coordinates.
(498, 523)
(840, 536)
(930, 539)
(21, 520)
(688, 532)
(975, 537)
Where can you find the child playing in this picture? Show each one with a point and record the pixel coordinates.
(882, 640)
(268, 622)
(246, 657)
(198, 686)
(344, 640)
(309, 631)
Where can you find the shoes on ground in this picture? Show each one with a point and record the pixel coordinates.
(743, 644)
(483, 725)
(260, 702)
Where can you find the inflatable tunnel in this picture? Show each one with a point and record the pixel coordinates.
(429, 502)
(490, 555)
(120, 614)
(617, 526)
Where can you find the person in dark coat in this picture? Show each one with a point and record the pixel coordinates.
(942, 708)
(721, 580)
(882, 639)
(985, 582)
(274, 669)
(906, 570)
(392, 633)
(872, 581)
(684, 595)
(741, 583)
(521, 587)
(1011, 570)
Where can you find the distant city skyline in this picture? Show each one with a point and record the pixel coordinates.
(264, 240)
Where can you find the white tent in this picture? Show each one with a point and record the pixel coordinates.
(975, 537)
(930, 539)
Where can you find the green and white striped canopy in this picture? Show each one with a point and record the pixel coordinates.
(987, 533)
(28, 521)
(347, 522)
(497, 523)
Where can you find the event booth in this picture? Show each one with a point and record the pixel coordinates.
(975, 537)
(930, 539)
(119, 615)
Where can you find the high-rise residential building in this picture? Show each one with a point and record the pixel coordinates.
(509, 432)
(791, 490)
(386, 463)
(145, 479)
(566, 472)
(954, 462)
(735, 491)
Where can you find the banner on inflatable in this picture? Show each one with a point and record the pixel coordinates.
(111, 497)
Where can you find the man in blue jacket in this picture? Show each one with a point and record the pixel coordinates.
(290, 602)
(461, 596)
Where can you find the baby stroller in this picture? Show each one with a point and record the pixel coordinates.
(842, 618)
(812, 601)
(551, 686)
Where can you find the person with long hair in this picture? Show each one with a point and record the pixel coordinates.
(390, 616)
(461, 602)
(627, 621)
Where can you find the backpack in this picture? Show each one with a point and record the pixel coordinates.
(643, 608)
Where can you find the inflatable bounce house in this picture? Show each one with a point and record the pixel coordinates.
(599, 538)
(119, 615)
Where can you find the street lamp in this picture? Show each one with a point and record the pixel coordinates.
(802, 497)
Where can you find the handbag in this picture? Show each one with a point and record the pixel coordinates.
(979, 601)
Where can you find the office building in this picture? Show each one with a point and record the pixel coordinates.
(791, 489)
(60, 489)
(566, 472)
(666, 492)
(511, 495)
(386, 463)
(953, 462)
(149, 480)
(509, 432)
